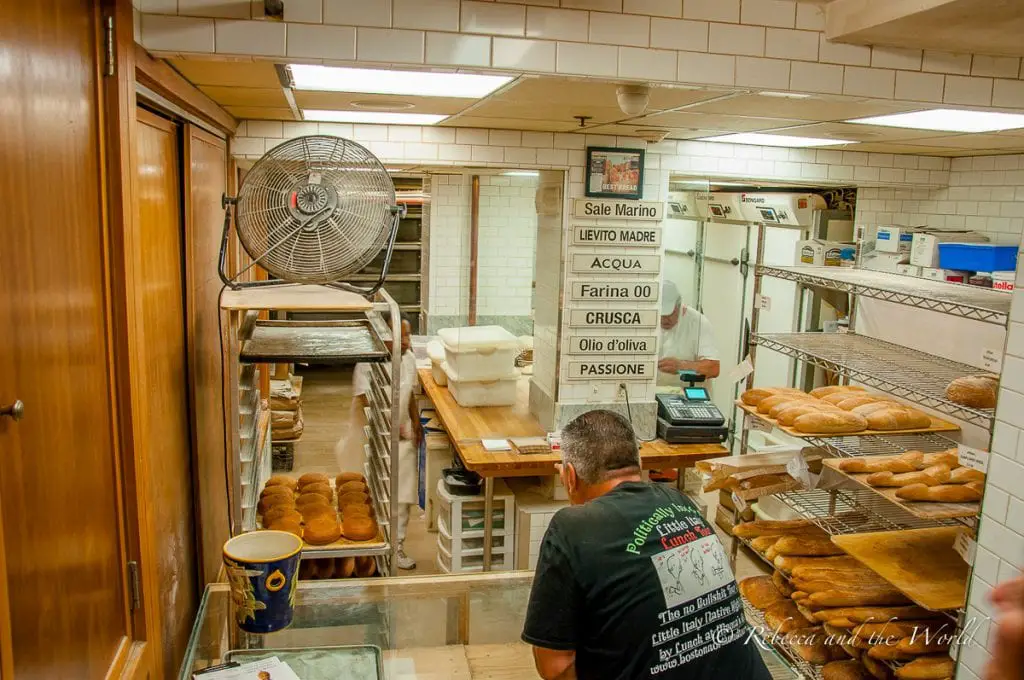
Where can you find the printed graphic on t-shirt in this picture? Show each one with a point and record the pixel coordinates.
(692, 570)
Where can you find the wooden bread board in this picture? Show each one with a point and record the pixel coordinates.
(922, 509)
(920, 563)
(938, 425)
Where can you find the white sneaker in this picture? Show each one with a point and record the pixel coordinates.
(403, 561)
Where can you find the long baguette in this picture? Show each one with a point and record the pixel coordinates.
(934, 667)
(765, 527)
(787, 563)
(889, 653)
(907, 462)
(876, 668)
(765, 405)
(933, 476)
(922, 645)
(943, 493)
(851, 402)
(762, 543)
(874, 614)
(894, 630)
(829, 422)
(822, 392)
(899, 419)
(948, 457)
(754, 396)
(783, 586)
(841, 574)
(962, 475)
(858, 597)
(800, 545)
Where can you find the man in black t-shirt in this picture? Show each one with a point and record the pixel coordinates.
(631, 582)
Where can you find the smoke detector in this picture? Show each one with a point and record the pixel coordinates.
(633, 99)
(651, 135)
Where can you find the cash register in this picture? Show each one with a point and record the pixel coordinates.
(690, 417)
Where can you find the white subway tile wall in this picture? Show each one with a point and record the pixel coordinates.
(590, 38)
(507, 243)
(449, 245)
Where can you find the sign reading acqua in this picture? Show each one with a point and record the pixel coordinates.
(619, 210)
(615, 263)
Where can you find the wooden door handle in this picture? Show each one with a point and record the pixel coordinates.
(15, 410)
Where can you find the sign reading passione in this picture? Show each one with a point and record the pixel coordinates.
(612, 318)
(619, 210)
(611, 370)
(615, 263)
(612, 291)
(630, 237)
(594, 344)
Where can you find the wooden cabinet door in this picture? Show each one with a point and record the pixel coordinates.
(162, 401)
(66, 613)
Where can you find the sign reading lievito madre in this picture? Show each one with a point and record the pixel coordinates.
(612, 318)
(594, 344)
(612, 291)
(615, 263)
(630, 237)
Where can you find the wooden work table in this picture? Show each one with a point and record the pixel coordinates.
(466, 428)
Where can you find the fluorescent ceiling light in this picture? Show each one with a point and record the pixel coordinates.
(380, 81)
(521, 173)
(715, 184)
(785, 95)
(948, 120)
(759, 139)
(379, 117)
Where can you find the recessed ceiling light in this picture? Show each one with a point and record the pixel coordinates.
(378, 117)
(785, 95)
(948, 120)
(759, 139)
(381, 81)
(521, 173)
(383, 105)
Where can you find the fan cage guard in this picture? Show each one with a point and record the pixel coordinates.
(316, 209)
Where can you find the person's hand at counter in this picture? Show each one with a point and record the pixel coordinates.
(709, 368)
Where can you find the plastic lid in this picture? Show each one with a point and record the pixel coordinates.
(477, 338)
(513, 374)
(435, 350)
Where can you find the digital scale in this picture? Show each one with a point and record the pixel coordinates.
(690, 417)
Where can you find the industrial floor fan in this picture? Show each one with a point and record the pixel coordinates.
(314, 210)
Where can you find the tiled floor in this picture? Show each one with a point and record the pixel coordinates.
(332, 442)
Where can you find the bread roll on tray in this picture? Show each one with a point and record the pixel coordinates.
(788, 416)
(766, 405)
(932, 667)
(753, 396)
(821, 392)
(829, 422)
(943, 493)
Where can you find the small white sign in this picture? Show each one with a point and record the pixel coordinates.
(593, 344)
(630, 237)
(741, 370)
(614, 318)
(763, 302)
(758, 424)
(615, 263)
(740, 504)
(611, 370)
(966, 547)
(992, 359)
(615, 291)
(619, 210)
(976, 459)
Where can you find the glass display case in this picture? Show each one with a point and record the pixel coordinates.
(454, 627)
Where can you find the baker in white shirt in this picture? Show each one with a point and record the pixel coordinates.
(687, 341)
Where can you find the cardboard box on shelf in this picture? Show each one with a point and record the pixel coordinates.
(950, 275)
(820, 253)
(890, 239)
(883, 262)
(924, 249)
(908, 270)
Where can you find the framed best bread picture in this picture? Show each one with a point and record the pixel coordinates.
(615, 173)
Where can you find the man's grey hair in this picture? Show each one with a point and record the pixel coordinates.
(599, 442)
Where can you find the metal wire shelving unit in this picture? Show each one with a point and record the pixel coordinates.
(854, 511)
(778, 644)
(914, 376)
(969, 302)
(852, 446)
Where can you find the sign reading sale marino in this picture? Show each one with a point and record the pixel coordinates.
(612, 238)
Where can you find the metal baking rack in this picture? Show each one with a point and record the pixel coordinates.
(756, 619)
(914, 376)
(969, 302)
(854, 511)
(851, 446)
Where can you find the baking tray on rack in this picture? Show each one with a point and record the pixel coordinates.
(316, 342)
(938, 425)
(922, 509)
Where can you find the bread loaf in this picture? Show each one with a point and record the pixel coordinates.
(949, 457)
(937, 474)
(760, 592)
(841, 574)
(780, 582)
(890, 630)
(766, 405)
(784, 617)
(852, 402)
(874, 614)
(792, 412)
(787, 563)
(875, 668)
(922, 644)
(803, 545)
(762, 543)
(795, 401)
(822, 392)
(889, 653)
(763, 527)
(898, 418)
(857, 597)
(762, 481)
(934, 667)
(829, 422)
(962, 475)
(878, 405)
(844, 670)
(771, 553)
(907, 462)
(943, 493)
(809, 644)
(836, 397)
(973, 391)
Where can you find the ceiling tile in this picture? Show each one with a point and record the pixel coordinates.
(246, 96)
(246, 112)
(858, 133)
(814, 108)
(511, 124)
(980, 141)
(228, 73)
(693, 120)
(343, 101)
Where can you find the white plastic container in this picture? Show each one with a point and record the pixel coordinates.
(480, 352)
(435, 350)
(470, 393)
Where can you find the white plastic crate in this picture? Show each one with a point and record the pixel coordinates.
(464, 515)
(479, 352)
(469, 545)
(451, 564)
(474, 392)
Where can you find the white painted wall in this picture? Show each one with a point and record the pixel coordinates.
(508, 240)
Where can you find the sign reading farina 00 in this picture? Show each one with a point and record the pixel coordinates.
(619, 210)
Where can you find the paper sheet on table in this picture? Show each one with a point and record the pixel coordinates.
(496, 445)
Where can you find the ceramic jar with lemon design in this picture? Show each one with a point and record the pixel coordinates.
(263, 569)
